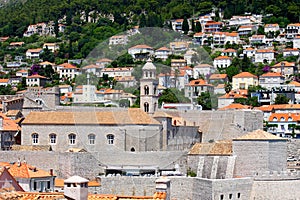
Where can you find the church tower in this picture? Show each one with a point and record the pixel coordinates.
(148, 88)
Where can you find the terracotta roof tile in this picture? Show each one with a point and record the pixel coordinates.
(141, 46)
(235, 106)
(284, 117)
(223, 58)
(130, 116)
(285, 64)
(264, 51)
(216, 148)
(218, 76)
(295, 83)
(4, 80)
(23, 170)
(259, 135)
(68, 66)
(36, 76)
(272, 74)
(244, 75)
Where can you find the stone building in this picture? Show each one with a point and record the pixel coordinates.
(148, 88)
(120, 130)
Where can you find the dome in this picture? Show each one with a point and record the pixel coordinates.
(149, 65)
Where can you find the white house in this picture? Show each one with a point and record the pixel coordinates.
(103, 62)
(257, 39)
(246, 30)
(201, 38)
(118, 39)
(141, 51)
(264, 55)
(51, 46)
(296, 42)
(285, 68)
(229, 52)
(240, 20)
(22, 73)
(249, 52)
(292, 30)
(94, 69)
(290, 52)
(68, 71)
(33, 53)
(271, 28)
(118, 71)
(203, 69)
(271, 80)
(222, 62)
(36, 80)
(212, 26)
(243, 80)
(4, 82)
(195, 87)
(163, 53)
(177, 25)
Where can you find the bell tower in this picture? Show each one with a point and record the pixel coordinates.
(148, 88)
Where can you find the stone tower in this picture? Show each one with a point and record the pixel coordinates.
(148, 90)
(76, 188)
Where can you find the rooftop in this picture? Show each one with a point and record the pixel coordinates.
(259, 135)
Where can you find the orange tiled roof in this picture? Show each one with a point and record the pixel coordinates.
(258, 36)
(104, 60)
(68, 66)
(60, 183)
(90, 67)
(223, 147)
(285, 64)
(223, 58)
(36, 76)
(271, 74)
(179, 20)
(9, 124)
(131, 116)
(229, 50)
(233, 34)
(198, 82)
(284, 117)
(259, 135)
(23, 170)
(235, 106)
(21, 71)
(291, 49)
(269, 108)
(244, 75)
(46, 63)
(294, 24)
(141, 46)
(16, 43)
(295, 83)
(218, 76)
(163, 49)
(271, 25)
(198, 34)
(4, 80)
(35, 50)
(264, 51)
(232, 95)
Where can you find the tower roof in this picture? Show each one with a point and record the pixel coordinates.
(76, 179)
(149, 65)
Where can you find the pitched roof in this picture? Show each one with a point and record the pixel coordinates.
(259, 135)
(271, 74)
(223, 58)
(232, 95)
(285, 64)
(284, 117)
(198, 82)
(141, 46)
(46, 63)
(38, 50)
(295, 83)
(4, 80)
(68, 66)
(218, 76)
(163, 49)
(130, 116)
(23, 170)
(216, 148)
(235, 106)
(268, 108)
(60, 183)
(244, 75)
(36, 76)
(229, 50)
(9, 124)
(264, 51)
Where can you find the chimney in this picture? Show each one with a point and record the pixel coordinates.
(76, 188)
(51, 172)
(162, 185)
(19, 162)
(1, 123)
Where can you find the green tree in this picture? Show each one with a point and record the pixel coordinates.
(198, 27)
(185, 26)
(204, 100)
(281, 99)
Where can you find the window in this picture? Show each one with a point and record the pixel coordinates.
(221, 197)
(282, 119)
(146, 107)
(35, 138)
(146, 88)
(52, 138)
(72, 138)
(238, 195)
(230, 196)
(110, 139)
(92, 138)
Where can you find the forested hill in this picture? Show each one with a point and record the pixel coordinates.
(16, 15)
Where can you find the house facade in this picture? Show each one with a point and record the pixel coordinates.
(271, 80)
(243, 80)
(222, 62)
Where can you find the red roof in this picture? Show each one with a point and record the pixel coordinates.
(245, 75)
(68, 66)
(218, 76)
(223, 58)
(36, 76)
(271, 74)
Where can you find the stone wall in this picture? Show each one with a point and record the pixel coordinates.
(259, 156)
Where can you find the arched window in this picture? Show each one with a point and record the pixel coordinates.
(35, 138)
(290, 119)
(282, 119)
(146, 89)
(132, 149)
(110, 138)
(146, 107)
(72, 138)
(275, 119)
(154, 90)
(52, 138)
(91, 138)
